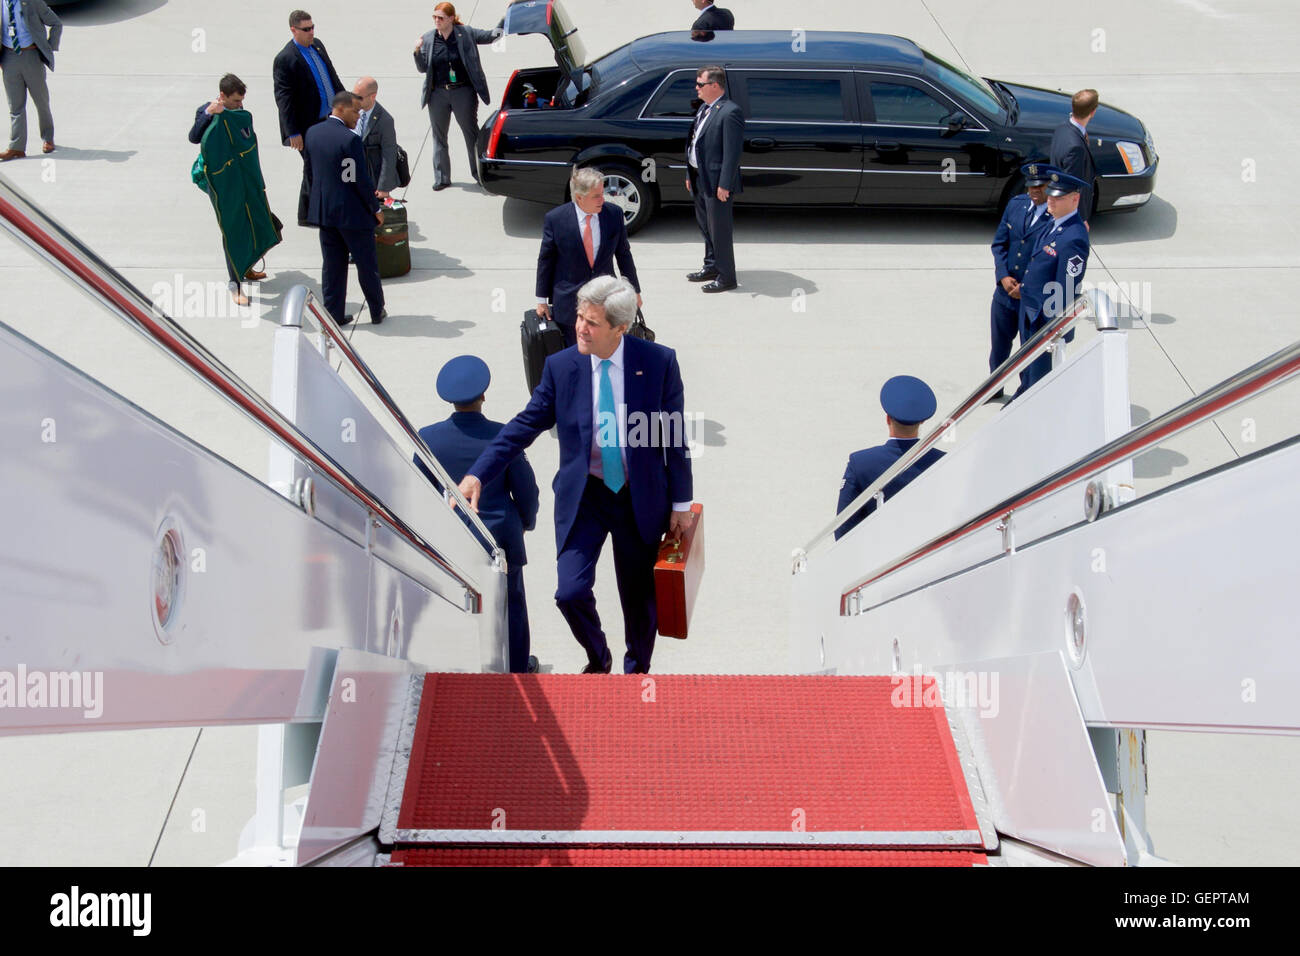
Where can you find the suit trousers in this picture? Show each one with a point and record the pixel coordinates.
(24, 72)
(702, 220)
(1040, 366)
(442, 103)
(1004, 321)
(335, 244)
(602, 513)
(517, 619)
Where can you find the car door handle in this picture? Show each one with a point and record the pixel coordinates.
(883, 145)
(762, 142)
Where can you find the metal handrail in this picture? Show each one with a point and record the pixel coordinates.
(51, 242)
(1094, 302)
(1245, 385)
(299, 301)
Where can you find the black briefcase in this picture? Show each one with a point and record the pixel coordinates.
(639, 329)
(540, 338)
(393, 243)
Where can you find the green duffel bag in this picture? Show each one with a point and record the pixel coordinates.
(393, 243)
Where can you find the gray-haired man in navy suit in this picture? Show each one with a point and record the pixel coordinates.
(580, 240)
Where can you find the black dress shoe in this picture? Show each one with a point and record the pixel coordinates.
(440, 186)
(376, 319)
(345, 320)
(534, 665)
(593, 669)
(721, 287)
(997, 398)
(704, 275)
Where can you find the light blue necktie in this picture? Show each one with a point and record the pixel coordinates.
(611, 460)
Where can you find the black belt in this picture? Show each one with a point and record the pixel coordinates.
(450, 86)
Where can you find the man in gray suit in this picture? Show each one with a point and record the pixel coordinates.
(28, 52)
(378, 135)
(448, 57)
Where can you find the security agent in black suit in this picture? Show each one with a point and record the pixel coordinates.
(378, 135)
(344, 206)
(508, 503)
(305, 84)
(713, 159)
(564, 265)
(448, 57)
(711, 18)
(907, 402)
(1070, 153)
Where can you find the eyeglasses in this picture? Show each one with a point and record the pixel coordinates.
(705, 83)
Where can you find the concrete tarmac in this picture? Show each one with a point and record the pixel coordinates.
(785, 394)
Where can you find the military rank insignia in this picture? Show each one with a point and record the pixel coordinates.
(1074, 266)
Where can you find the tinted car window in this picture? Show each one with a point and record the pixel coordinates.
(907, 105)
(783, 98)
(675, 98)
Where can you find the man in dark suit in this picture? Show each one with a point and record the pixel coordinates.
(378, 135)
(305, 84)
(711, 18)
(344, 207)
(908, 402)
(1023, 222)
(580, 240)
(508, 505)
(713, 159)
(612, 399)
(1055, 272)
(28, 51)
(1069, 151)
(448, 57)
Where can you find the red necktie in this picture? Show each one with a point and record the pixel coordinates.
(587, 242)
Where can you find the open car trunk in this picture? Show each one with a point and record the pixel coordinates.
(549, 18)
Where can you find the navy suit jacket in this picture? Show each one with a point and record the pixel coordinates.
(508, 504)
(562, 267)
(719, 147)
(1052, 281)
(1070, 153)
(658, 468)
(715, 18)
(296, 93)
(342, 193)
(1013, 245)
(867, 465)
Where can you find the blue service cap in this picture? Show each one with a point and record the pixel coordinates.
(1062, 184)
(463, 379)
(1037, 174)
(908, 400)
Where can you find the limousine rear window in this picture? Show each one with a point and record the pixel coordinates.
(971, 88)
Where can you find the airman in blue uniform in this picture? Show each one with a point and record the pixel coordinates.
(1055, 274)
(1023, 222)
(907, 402)
(508, 505)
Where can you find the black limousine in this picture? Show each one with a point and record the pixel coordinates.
(832, 119)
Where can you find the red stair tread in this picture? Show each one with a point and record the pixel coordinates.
(660, 856)
(673, 753)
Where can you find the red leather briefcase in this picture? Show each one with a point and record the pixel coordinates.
(677, 577)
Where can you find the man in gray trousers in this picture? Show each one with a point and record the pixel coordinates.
(448, 57)
(27, 53)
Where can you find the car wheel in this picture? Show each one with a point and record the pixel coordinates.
(625, 188)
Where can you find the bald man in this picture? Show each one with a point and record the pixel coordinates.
(378, 136)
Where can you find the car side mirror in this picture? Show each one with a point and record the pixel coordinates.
(956, 123)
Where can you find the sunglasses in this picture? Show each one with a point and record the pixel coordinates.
(306, 29)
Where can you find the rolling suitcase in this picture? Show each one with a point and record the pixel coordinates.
(677, 577)
(392, 242)
(540, 338)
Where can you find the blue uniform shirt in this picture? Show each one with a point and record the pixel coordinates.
(1014, 243)
(869, 464)
(508, 503)
(1055, 274)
